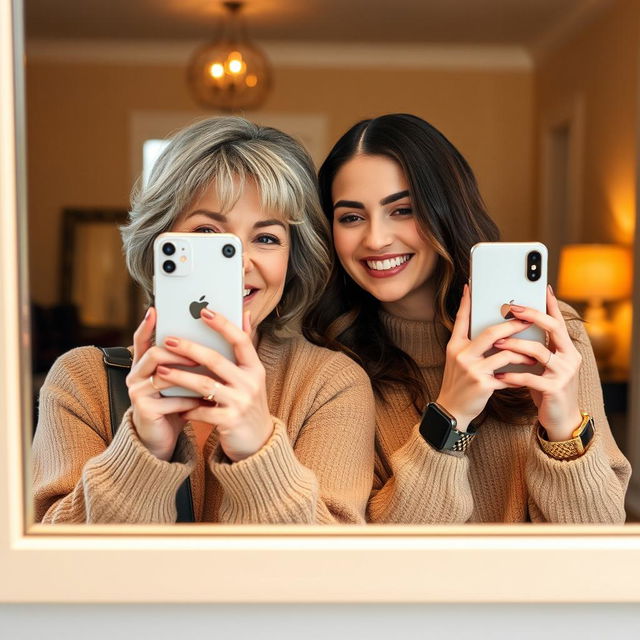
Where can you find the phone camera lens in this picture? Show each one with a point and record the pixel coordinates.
(228, 251)
(535, 256)
(168, 249)
(169, 266)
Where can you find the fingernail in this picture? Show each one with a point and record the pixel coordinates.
(551, 291)
(163, 371)
(499, 342)
(498, 375)
(171, 342)
(146, 315)
(516, 307)
(209, 315)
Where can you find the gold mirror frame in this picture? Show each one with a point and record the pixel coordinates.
(215, 563)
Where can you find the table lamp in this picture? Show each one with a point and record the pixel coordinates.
(596, 273)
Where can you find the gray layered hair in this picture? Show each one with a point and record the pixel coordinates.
(229, 151)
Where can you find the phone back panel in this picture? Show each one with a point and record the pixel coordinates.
(498, 278)
(204, 276)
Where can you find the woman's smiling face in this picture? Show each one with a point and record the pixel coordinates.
(265, 241)
(376, 235)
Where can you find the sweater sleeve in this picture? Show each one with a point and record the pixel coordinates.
(419, 485)
(79, 474)
(591, 488)
(324, 475)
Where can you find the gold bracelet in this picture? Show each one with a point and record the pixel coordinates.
(580, 440)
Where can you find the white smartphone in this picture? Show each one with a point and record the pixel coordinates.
(193, 271)
(504, 273)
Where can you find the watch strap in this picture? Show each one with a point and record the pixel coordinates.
(572, 448)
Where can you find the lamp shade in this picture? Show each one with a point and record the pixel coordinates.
(595, 272)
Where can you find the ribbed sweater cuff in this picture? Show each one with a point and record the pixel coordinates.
(128, 484)
(270, 486)
(430, 486)
(572, 491)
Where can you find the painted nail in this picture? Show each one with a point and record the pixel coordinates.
(163, 371)
(517, 308)
(171, 342)
(209, 315)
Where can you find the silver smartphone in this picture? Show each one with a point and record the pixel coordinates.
(193, 271)
(504, 273)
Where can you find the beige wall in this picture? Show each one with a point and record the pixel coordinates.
(601, 64)
(78, 133)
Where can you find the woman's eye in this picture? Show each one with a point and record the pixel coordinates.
(267, 239)
(349, 217)
(404, 211)
(205, 230)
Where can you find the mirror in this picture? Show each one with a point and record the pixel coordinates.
(548, 96)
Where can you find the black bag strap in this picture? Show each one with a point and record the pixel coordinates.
(118, 362)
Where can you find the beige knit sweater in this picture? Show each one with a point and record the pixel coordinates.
(504, 476)
(317, 467)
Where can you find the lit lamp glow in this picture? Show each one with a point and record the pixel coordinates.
(596, 273)
(230, 73)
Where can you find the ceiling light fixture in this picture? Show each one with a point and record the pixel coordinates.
(230, 73)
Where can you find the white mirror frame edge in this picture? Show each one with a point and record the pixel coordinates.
(469, 563)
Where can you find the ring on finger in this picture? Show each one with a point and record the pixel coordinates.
(153, 383)
(212, 395)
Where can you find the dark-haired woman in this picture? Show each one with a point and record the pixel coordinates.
(456, 442)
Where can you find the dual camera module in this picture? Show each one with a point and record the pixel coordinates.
(169, 249)
(534, 266)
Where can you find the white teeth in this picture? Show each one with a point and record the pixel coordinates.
(384, 265)
(246, 292)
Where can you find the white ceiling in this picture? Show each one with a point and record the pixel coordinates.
(502, 22)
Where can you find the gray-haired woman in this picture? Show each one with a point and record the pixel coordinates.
(290, 438)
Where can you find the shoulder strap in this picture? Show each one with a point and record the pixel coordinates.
(118, 362)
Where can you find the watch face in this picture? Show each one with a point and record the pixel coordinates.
(435, 427)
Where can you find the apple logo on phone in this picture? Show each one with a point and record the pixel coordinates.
(505, 310)
(197, 306)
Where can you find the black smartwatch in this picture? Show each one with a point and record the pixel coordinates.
(438, 428)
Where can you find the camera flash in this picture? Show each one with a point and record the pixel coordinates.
(183, 258)
(533, 267)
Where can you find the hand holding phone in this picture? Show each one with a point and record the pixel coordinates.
(468, 380)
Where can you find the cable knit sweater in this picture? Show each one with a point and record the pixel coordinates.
(317, 466)
(504, 476)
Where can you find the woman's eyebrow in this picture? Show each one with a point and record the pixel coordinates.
(351, 204)
(269, 223)
(394, 196)
(214, 215)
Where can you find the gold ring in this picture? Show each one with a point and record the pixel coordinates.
(153, 384)
(212, 395)
(546, 364)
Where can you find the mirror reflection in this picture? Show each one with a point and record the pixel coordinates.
(354, 377)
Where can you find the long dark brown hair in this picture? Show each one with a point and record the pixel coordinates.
(451, 215)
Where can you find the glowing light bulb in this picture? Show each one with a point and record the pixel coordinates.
(216, 70)
(235, 66)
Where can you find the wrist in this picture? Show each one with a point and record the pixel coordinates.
(562, 431)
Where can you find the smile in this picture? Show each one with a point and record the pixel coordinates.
(249, 294)
(387, 266)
